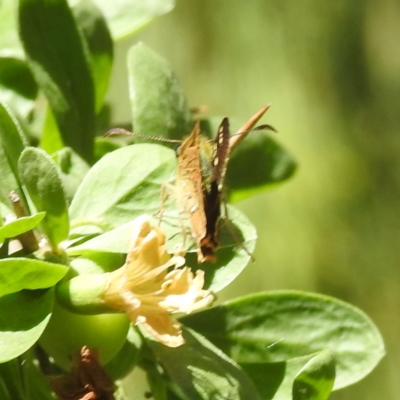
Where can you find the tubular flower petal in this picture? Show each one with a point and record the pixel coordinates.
(151, 285)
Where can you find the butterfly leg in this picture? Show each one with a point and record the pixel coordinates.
(233, 233)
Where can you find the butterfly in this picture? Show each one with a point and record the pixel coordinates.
(202, 166)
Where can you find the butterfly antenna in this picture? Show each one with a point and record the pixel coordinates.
(125, 132)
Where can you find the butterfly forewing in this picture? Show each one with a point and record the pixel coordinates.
(190, 184)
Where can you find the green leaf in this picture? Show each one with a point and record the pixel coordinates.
(123, 185)
(159, 106)
(16, 75)
(128, 183)
(127, 357)
(72, 170)
(316, 378)
(11, 381)
(257, 164)
(274, 381)
(202, 371)
(40, 175)
(58, 58)
(17, 335)
(102, 146)
(23, 273)
(278, 326)
(126, 17)
(37, 384)
(12, 143)
(20, 225)
(51, 140)
(8, 27)
(232, 258)
(98, 38)
(12, 138)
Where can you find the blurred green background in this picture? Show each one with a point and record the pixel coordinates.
(332, 73)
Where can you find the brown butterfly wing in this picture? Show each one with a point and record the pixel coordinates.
(190, 186)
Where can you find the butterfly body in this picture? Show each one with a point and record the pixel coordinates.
(201, 171)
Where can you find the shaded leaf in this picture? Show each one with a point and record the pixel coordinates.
(40, 175)
(258, 163)
(316, 378)
(11, 381)
(72, 170)
(23, 273)
(127, 357)
(94, 28)
(16, 75)
(278, 326)
(12, 143)
(58, 59)
(37, 384)
(17, 335)
(202, 371)
(159, 107)
(12, 138)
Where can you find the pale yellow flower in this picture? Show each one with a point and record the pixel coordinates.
(152, 285)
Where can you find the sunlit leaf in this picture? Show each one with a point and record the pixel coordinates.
(279, 326)
(123, 185)
(8, 26)
(22, 273)
(20, 225)
(126, 17)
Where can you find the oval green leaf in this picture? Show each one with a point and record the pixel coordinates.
(33, 309)
(279, 326)
(123, 185)
(23, 273)
(40, 175)
(20, 225)
(159, 106)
